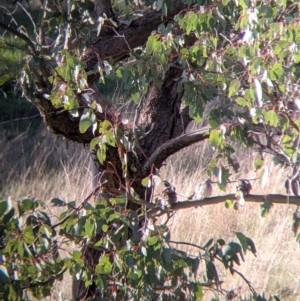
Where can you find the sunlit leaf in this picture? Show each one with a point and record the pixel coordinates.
(86, 120)
(228, 204)
(271, 118)
(146, 181)
(104, 265)
(258, 164)
(234, 87)
(89, 227)
(28, 235)
(215, 138)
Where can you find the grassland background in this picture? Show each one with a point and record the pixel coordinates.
(33, 162)
(38, 164)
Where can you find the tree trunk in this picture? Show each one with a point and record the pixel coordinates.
(161, 114)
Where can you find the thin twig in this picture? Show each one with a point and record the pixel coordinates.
(29, 15)
(187, 244)
(20, 35)
(77, 208)
(20, 119)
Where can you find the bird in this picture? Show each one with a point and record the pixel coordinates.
(203, 190)
(244, 186)
(169, 195)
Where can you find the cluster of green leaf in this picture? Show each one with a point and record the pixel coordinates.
(245, 53)
(112, 252)
(29, 255)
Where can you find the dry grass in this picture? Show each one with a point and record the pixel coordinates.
(44, 167)
(275, 270)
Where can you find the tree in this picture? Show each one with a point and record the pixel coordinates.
(232, 64)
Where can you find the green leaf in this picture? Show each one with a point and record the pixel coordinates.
(12, 293)
(265, 208)
(267, 11)
(271, 118)
(28, 235)
(198, 292)
(20, 248)
(243, 102)
(258, 164)
(135, 97)
(215, 138)
(77, 256)
(46, 229)
(104, 228)
(31, 270)
(104, 265)
(101, 283)
(251, 246)
(296, 222)
(146, 181)
(3, 207)
(9, 215)
(234, 87)
(152, 241)
(95, 141)
(228, 204)
(86, 120)
(208, 243)
(101, 153)
(167, 254)
(243, 240)
(211, 271)
(4, 277)
(105, 127)
(28, 204)
(150, 46)
(89, 227)
(57, 202)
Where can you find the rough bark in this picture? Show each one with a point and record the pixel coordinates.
(160, 113)
(117, 45)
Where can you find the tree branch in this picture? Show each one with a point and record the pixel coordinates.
(19, 35)
(172, 146)
(114, 47)
(252, 198)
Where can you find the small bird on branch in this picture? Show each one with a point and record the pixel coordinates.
(244, 186)
(203, 190)
(169, 195)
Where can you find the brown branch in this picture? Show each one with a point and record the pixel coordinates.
(47, 281)
(252, 198)
(81, 205)
(273, 198)
(172, 146)
(187, 244)
(113, 48)
(19, 35)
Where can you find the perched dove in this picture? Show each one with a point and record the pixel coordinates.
(169, 195)
(203, 190)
